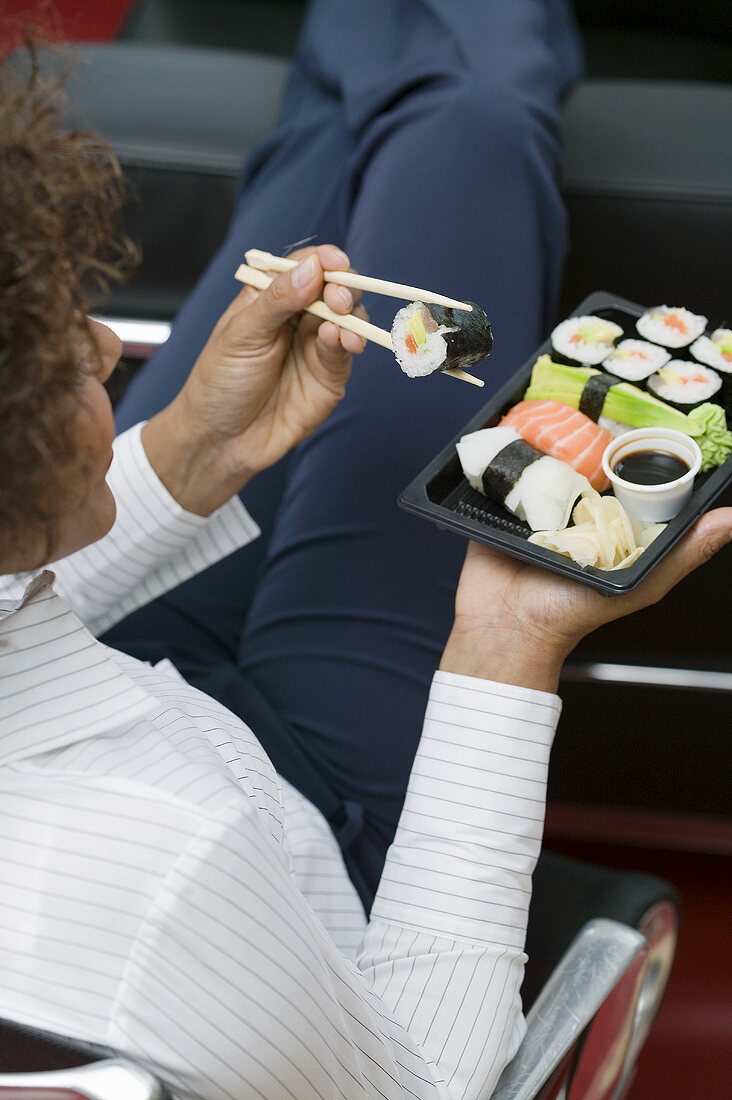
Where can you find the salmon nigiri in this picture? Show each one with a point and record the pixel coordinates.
(564, 433)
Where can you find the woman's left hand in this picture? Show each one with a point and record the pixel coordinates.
(268, 376)
(516, 622)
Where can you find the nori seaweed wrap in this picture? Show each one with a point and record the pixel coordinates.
(594, 392)
(506, 467)
(469, 336)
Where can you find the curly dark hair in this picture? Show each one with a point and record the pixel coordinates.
(61, 193)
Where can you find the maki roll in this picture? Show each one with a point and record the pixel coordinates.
(684, 384)
(672, 326)
(531, 485)
(715, 351)
(585, 339)
(634, 360)
(428, 338)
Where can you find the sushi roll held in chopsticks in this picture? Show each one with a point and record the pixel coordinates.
(434, 333)
(429, 338)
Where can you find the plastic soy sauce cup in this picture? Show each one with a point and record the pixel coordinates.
(652, 471)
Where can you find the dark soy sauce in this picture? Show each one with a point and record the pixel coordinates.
(650, 467)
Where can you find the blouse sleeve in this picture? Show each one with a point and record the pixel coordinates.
(444, 949)
(234, 988)
(153, 546)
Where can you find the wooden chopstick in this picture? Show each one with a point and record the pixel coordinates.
(261, 280)
(265, 261)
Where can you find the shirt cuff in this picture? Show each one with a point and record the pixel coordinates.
(507, 691)
(132, 478)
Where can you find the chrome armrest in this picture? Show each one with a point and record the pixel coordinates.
(111, 1079)
(596, 960)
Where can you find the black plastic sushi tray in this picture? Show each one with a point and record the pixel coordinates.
(441, 493)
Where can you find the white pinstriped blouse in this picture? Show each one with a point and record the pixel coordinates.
(162, 891)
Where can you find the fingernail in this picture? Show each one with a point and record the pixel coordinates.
(339, 256)
(346, 297)
(304, 272)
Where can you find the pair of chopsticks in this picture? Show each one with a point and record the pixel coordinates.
(254, 273)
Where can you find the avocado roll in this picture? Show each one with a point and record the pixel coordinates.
(672, 326)
(716, 351)
(586, 340)
(428, 338)
(685, 385)
(634, 360)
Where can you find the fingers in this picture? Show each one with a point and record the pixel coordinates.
(330, 256)
(287, 295)
(708, 535)
(291, 292)
(332, 336)
(352, 342)
(340, 298)
(333, 258)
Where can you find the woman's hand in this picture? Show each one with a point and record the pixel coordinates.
(268, 376)
(516, 623)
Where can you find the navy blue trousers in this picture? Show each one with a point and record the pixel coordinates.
(423, 137)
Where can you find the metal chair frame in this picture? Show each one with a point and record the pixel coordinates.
(595, 987)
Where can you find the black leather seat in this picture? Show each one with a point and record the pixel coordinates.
(646, 178)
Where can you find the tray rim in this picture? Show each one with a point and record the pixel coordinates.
(414, 498)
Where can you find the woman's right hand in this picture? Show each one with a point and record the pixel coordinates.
(268, 376)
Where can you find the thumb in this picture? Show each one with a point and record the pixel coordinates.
(287, 294)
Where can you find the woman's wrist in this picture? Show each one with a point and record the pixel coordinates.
(188, 462)
(506, 654)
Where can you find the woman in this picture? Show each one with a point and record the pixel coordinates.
(425, 138)
(164, 893)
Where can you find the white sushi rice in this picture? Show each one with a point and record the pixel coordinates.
(708, 350)
(429, 356)
(682, 382)
(544, 494)
(586, 339)
(634, 360)
(654, 326)
(615, 427)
